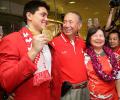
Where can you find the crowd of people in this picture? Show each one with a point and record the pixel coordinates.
(33, 67)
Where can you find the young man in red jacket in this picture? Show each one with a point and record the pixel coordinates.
(25, 58)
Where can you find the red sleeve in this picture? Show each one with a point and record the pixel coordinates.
(56, 81)
(13, 68)
(82, 42)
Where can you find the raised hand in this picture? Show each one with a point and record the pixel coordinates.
(37, 44)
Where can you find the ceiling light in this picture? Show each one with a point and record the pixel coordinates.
(72, 2)
(3, 8)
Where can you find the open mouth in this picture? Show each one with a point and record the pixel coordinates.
(68, 30)
(98, 42)
(44, 22)
(112, 44)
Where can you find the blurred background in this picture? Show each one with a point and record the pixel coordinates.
(11, 12)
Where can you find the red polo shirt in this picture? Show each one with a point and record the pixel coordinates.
(69, 58)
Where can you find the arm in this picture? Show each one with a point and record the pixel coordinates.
(56, 77)
(118, 75)
(56, 73)
(108, 24)
(82, 43)
(118, 83)
(14, 68)
(118, 87)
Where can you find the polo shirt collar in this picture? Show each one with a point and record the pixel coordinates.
(65, 38)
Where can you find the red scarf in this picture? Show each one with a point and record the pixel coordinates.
(42, 74)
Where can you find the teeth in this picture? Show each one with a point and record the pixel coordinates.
(68, 30)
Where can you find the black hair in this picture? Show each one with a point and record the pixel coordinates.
(32, 7)
(114, 32)
(76, 13)
(90, 32)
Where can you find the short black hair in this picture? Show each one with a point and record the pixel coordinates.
(76, 13)
(114, 32)
(90, 32)
(32, 7)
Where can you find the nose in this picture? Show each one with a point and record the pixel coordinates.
(46, 18)
(66, 24)
(111, 40)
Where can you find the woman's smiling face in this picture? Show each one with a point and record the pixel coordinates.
(97, 40)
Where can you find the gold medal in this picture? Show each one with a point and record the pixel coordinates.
(48, 33)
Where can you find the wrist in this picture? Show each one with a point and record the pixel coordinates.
(32, 54)
(112, 10)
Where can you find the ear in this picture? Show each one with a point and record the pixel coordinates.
(29, 16)
(79, 26)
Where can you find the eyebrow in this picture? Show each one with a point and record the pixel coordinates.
(44, 13)
(68, 20)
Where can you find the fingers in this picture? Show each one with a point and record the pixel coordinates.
(41, 38)
(39, 41)
(11, 97)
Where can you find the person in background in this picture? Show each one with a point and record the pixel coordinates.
(1, 33)
(2, 92)
(102, 67)
(68, 56)
(112, 20)
(114, 43)
(25, 58)
(1, 36)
